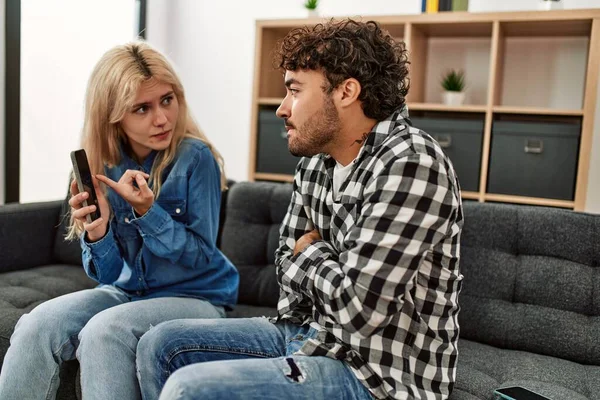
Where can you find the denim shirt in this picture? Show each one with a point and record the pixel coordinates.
(171, 250)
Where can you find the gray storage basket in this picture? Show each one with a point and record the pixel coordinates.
(534, 159)
(273, 154)
(461, 140)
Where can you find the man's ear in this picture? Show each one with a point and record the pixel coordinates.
(349, 91)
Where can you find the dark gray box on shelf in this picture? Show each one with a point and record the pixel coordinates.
(534, 159)
(461, 141)
(273, 155)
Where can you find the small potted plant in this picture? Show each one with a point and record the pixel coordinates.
(550, 4)
(311, 6)
(453, 83)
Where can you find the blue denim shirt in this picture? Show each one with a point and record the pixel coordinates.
(171, 250)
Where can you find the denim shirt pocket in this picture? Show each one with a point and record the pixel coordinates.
(124, 229)
(175, 207)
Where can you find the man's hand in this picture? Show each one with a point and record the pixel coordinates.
(140, 198)
(305, 240)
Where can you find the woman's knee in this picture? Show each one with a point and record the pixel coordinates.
(38, 327)
(108, 328)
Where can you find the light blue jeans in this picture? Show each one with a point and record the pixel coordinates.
(239, 359)
(101, 327)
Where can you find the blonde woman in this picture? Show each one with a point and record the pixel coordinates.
(152, 250)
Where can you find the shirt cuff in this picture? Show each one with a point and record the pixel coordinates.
(101, 247)
(153, 222)
(307, 262)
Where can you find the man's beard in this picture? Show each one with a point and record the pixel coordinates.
(317, 132)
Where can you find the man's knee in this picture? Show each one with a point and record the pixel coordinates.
(152, 343)
(198, 381)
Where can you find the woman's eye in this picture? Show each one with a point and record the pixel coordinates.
(167, 100)
(141, 110)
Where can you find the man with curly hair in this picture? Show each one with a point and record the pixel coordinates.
(369, 248)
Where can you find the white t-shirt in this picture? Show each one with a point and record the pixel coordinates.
(340, 173)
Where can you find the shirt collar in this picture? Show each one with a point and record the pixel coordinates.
(130, 163)
(398, 120)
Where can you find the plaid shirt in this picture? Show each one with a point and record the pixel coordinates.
(382, 285)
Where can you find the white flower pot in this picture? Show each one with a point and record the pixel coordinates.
(454, 98)
(550, 5)
(313, 13)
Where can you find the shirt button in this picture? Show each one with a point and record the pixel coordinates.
(140, 279)
(177, 210)
(126, 220)
(139, 293)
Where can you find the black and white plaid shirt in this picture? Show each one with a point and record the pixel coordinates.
(382, 285)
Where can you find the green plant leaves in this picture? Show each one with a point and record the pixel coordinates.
(453, 81)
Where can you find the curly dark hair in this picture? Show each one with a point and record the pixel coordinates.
(351, 49)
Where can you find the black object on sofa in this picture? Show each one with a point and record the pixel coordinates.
(530, 301)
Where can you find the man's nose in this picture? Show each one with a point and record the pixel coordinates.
(283, 111)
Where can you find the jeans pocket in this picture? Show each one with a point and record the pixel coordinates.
(298, 340)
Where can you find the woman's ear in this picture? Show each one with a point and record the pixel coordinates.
(350, 90)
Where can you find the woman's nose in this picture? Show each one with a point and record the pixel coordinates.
(160, 118)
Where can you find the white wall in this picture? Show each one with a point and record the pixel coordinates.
(2, 68)
(212, 45)
(61, 40)
(523, 5)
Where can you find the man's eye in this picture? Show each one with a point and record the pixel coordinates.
(294, 91)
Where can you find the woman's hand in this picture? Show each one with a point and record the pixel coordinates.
(140, 198)
(96, 229)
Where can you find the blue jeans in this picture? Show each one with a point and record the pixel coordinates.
(239, 359)
(101, 327)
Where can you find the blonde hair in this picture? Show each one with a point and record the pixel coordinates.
(111, 92)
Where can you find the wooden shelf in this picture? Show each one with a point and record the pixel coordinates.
(270, 101)
(528, 200)
(443, 107)
(545, 62)
(574, 27)
(536, 111)
(463, 29)
(469, 195)
(273, 177)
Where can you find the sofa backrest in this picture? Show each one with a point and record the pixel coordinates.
(532, 274)
(532, 280)
(251, 235)
(27, 234)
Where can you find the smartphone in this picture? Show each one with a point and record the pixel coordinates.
(83, 176)
(517, 393)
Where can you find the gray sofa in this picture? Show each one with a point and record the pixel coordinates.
(530, 304)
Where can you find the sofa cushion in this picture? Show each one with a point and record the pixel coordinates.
(532, 280)
(245, 311)
(483, 368)
(21, 291)
(251, 235)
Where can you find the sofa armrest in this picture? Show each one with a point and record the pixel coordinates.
(27, 233)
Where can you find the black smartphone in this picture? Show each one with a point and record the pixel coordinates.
(517, 393)
(83, 176)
